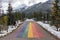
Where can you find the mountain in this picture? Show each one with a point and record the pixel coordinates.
(45, 7)
(21, 8)
(41, 7)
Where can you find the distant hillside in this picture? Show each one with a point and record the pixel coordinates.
(41, 7)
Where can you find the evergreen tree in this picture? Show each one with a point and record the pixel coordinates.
(40, 16)
(55, 15)
(23, 15)
(48, 17)
(11, 18)
(5, 19)
(17, 16)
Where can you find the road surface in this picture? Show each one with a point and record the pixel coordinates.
(29, 31)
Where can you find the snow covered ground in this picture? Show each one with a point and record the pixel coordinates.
(50, 28)
(29, 20)
(10, 28)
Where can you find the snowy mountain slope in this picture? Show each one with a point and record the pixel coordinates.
(41, 7)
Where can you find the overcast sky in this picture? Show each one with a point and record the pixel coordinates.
(16, 3)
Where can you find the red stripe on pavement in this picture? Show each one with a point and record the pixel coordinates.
(37, 32)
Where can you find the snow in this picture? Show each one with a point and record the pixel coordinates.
(4, 33)
(18, 22)
(10, 28)
(50, 28)
(29, 20)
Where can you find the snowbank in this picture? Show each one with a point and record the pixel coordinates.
(10, 28)
(4, 32)
(29, 20)
(18, 22)
(52, 30)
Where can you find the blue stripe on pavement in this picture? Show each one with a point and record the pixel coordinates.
(20, 35)
(25, 35)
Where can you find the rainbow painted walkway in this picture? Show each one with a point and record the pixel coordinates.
(29, 31)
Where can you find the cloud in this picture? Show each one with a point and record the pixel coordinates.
(16, 3)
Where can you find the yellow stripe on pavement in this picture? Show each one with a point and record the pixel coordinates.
(30, 33)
